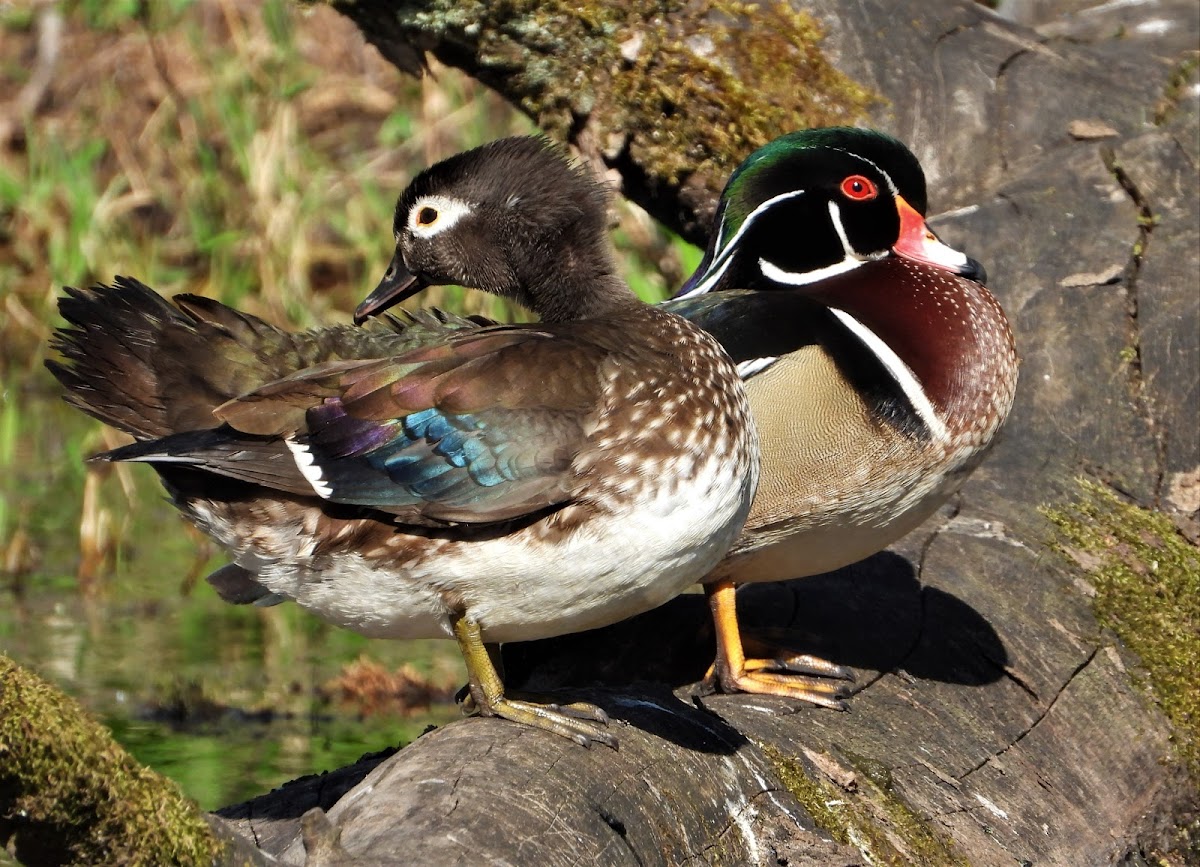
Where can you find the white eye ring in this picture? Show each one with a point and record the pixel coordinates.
(432, 214)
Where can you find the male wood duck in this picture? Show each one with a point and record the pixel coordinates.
(441, 478)
(879, 368)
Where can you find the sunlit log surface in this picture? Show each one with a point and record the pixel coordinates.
(997, 722)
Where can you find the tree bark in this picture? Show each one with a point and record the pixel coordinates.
(997, 721)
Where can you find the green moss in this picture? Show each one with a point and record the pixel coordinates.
(756, 73)
(872, 818)
(1184, 845)
(1147, 581)
(1177, 83)
(876, 771)
(821, 800)
(685, 87)
(71, 795)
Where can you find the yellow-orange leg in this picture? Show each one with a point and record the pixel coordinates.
(784, 675)
(581, 722)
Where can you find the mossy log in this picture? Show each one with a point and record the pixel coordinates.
(1028, 661)
(72, 795)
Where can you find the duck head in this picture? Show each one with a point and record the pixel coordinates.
(514, 218)
(817, 203)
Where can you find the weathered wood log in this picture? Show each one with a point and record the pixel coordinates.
(998, 721)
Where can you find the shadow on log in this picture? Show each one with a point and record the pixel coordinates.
(997, 721)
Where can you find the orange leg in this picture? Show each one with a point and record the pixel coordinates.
(785, 675)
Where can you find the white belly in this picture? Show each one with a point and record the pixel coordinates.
(535, 583)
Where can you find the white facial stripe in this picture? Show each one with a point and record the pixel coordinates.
(308, 467)
(713, 278)
(835, 215)
(721, 262)
(803, 278)
(449, 211)
(901, 373)
(873, 164)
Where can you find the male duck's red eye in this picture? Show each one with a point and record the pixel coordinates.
(859, 189)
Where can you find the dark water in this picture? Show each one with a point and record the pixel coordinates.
(224, 699)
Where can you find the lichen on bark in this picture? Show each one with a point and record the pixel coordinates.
(677, 89)
(1146, 578)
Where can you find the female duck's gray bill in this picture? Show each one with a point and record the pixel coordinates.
(397, 284)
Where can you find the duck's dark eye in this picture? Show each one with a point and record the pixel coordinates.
(427, 216)
(859, 188)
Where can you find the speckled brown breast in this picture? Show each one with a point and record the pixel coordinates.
(662, 422)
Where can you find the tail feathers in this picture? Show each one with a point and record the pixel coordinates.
(109, 354)
(141, 364)
(153, 368)
(261, 461)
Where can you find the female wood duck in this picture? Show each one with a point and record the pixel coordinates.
(442, 478)
(878, 366)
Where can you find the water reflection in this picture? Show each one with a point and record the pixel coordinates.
(226, 700)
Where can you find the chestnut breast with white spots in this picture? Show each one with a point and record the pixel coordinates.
(839, 482)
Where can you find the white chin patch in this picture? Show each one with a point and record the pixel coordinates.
(430, 215)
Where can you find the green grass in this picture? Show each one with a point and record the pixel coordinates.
(221, 151)
(10, 429)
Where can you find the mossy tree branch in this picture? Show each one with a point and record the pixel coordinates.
(670, 95)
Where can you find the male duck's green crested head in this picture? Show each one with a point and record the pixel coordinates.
(820, 202)
(515, 218)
